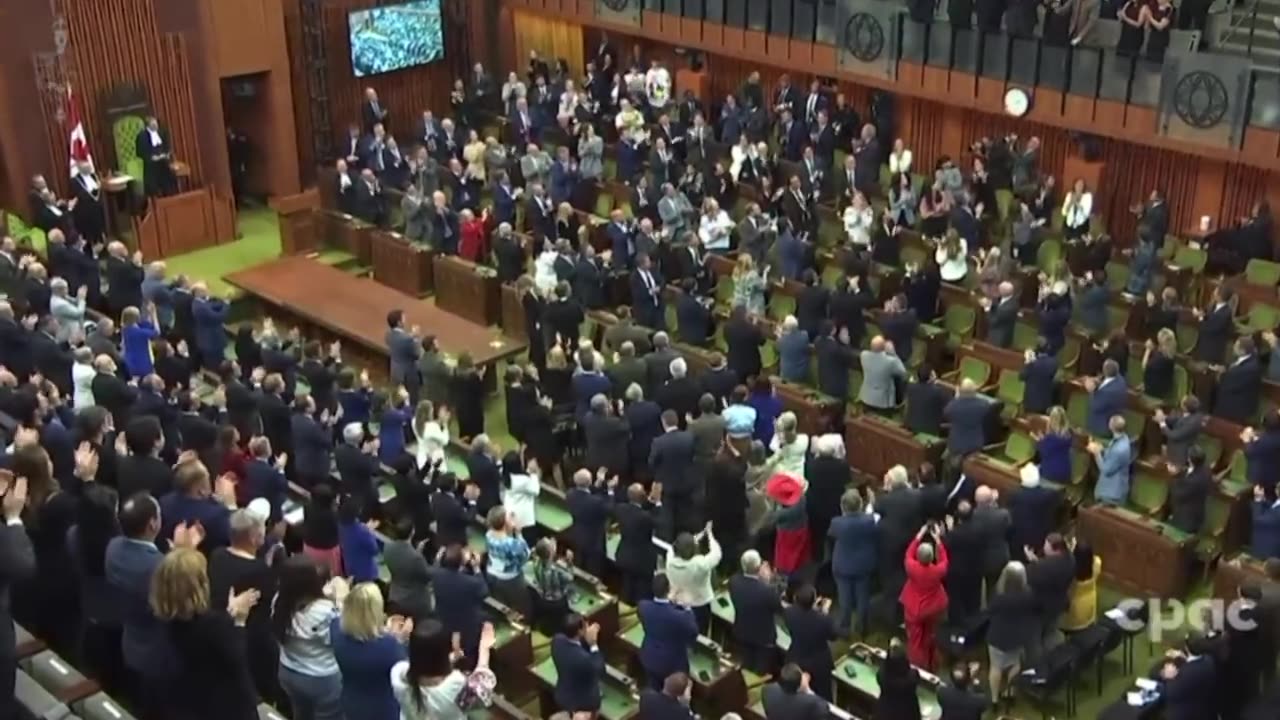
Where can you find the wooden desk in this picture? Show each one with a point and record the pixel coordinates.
(718, 686)
(400, 264)
(1232, 574)
(345, 232)
(297, 220)
(875, 444)
(816, 414)
(620, 698)
(1139, 555)
(467, 290)
(997, 357)
(512, 313)
(857, 689)
(332, 305)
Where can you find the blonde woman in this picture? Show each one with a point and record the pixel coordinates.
(367, 645)
(748, 286)
(213, 681)
(789, 446)
(1054, 447)
(1157, 364)
(899, 158)
(473, 156)
(858, 219)
(952, 257)
(431, 429)
(1076, 210)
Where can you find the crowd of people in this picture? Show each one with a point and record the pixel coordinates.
(154, 471)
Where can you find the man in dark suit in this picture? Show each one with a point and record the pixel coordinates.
(1216, 328)
(1240, 385)
(744, 339)
(694, 320)
(679, 394)
(671, 460)
(1189, 492)
(670, 702)
(579, 666)
(152, 145)
(606, 438)
(460, 591)
(51, 358)
(1191, 684)
(589, 276)
(404, 347)
(636, 556)
(111, 392)
(718, 380)
(670, 630)
(1049, 577)
(91, 220)
(926, 402)
(901, 515)
(357, 463)
(370, 204)
(451, 511)
(626, 370)
(17, 566)
(898, 325)
(1033, 509)
(1262, 451)
(790, 698)
(658, 363)
(372, 111)
(131, 559)
(966, 417)
(1039, 376)
(791, 137)
(646, 294)
(756, 605)
(589, 508)
(1002, 316)
(1153, 219)
(963, 698)
(124, 277)
(866, 151)
(855, 545)
(835, 359)
(1108, 397)
(992, 525)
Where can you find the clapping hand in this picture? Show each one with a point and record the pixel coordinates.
(188, 535)
(86, 462)
(238, 606)
(15, 499)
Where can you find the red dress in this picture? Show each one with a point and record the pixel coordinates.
(791, 539)
(472, 245)
(923, 598)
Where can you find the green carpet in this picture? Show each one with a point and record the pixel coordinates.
(259, 242)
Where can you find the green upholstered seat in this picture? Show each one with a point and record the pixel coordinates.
(1025, 335)
(780, 306)
(1019, 448)
(975, 369)
(1212, 447)
(1049, 255)
(604, 203)
(1117, 276)
(1262, 272)
(1187, 336)
(1260, 318)
(1217, 510)
(1078, 409)
(1135, 422)
(959, 321)
(1193, 259)
(1149, 493)
(724, 290)
(124, 132)
(1238, 471)
(1010, 389)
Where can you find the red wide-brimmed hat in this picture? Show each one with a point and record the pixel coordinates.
(784, 488)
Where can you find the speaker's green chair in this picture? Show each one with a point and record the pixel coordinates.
(124, 132)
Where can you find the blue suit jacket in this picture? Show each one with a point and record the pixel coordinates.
(1106, 401)
(211, 335)
(586, 386)
(129, 566)
(856, 540)
(562, 182)
(578, 672)
(669, 632)
(620, 242)
(504, 205)
(967, 416)
(1263, 456)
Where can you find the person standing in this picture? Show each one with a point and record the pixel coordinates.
(305, 607)
(17, 565)
(812, 632)
(367, 645)
(579, 664)
(404, 348)
(853, 561)
(924, 598)
(670, 629)
(756, 604)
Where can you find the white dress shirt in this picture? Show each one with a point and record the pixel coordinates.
(714, 230)
(857, 225)
(900, 162)
(1077, 215)
(953, 269)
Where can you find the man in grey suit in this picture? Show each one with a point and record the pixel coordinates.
(991, 523)
(1181, 429)
(674, 211)
(881, 367)
(417, 221)
(404, 348)
(535, 166)
(1002, 316)
(17, 564)
(409, 592)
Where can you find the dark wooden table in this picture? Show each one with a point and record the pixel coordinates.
(345, 232)
(1139, 555)
(467, 290)
(400, 264)
(330, 304)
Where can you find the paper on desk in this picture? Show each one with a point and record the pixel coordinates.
(1134, 698)
(1115, 614)
(293, 517)
(1146, 683)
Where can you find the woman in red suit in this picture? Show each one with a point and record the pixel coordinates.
(923, 597)
(791, 539)
(474, 244)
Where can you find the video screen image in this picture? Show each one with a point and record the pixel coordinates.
(393, 37)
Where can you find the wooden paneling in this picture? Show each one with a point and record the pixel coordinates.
(116, 41)
(242, 36)
(406, 93)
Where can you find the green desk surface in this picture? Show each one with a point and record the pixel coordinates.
(552, 515)
(618, 702)
(386, 492)
(1163, 528)
(586, 599)
(861, 677)
(504, 631)
(704, 665)
(722, 609)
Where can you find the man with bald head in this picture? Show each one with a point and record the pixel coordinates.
(967, 416)
(371, 205)
(1002, 315)
(124, 278)
(111, 392)
(882, 369)
(991, 525)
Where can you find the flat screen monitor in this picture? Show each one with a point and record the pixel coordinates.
(394, 37)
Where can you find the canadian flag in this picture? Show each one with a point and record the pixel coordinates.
(79, 141)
